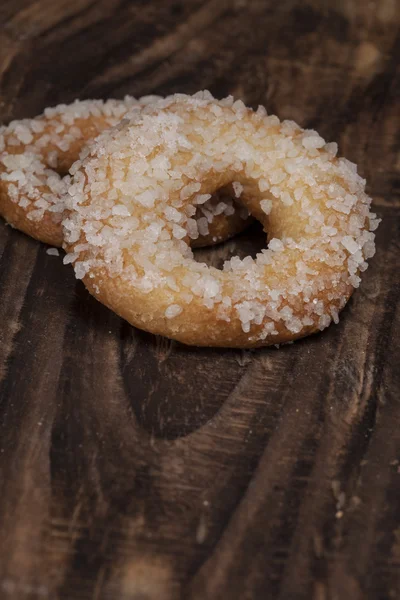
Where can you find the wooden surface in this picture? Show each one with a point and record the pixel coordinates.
(135, 468)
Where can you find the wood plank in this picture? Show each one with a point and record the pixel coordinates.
(133, 467)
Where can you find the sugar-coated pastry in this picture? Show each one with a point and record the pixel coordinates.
(35, 157)
(130, 220)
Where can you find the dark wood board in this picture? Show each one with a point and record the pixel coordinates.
(132, 467)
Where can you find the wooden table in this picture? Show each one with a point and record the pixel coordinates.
(133, 467)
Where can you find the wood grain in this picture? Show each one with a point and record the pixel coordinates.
(132, 467)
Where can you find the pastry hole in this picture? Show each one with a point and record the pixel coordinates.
(248, 243)
(222, 203)
(219, 217)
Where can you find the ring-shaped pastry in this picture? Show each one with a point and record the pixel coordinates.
(129, 223)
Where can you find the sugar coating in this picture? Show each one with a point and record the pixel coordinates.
(31, 151)
(163, 163)
(35, 155)
(173, 311)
